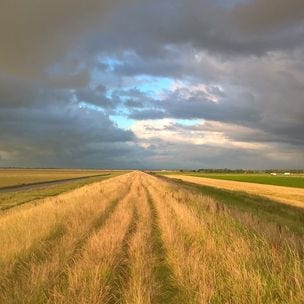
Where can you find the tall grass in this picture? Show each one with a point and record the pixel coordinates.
(141, 286)
(37, 241)
(137, 239)
(89, 279)
(219, 260)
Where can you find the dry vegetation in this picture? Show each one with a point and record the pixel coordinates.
(286, 195)
(138, 239)
(15, 177)
(19, 195)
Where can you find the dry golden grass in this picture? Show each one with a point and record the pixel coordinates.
(137, 239)
(141, 287)
(14, 177)
(215, 259)
(36, 241)
(89, 280)
(286, 195)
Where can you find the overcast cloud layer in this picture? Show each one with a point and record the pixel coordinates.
(152, 84)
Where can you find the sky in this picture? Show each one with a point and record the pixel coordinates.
(162, 84)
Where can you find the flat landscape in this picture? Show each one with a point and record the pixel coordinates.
(141, 238)
(18, 187)
(152, 152)
(262, 185)
(294, 180)
(20, 177)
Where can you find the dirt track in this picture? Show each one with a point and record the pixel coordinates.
(286, 195)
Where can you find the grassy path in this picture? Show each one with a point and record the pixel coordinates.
(168, 290)
(139, 285)
(140, 239)
(93, 277)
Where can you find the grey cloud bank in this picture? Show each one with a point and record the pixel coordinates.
(124, 84)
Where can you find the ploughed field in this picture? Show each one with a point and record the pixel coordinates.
(137, 238)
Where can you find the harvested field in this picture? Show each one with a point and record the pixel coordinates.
(139, 239)
(286, 195)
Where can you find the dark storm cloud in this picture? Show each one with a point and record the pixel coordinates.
(67, 66)
(71, 81)
(34, 34)
(204, 25)
(57, 134)
(95, 96)
(260, 15)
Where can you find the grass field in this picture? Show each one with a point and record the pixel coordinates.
(12, 199)
(296, 181)
(15, 177)
(266, 209)
(137, 238)
(286, 195)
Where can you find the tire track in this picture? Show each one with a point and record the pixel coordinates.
(185, 258)
(169, 290)
(140, 285)
(91, 279)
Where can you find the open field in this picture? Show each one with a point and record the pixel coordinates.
(286, 195)
(294, 180)
(18, 195)
(136, 238)
(266, 210)
(17, 177)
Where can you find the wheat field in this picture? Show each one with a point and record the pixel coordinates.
(136, 238)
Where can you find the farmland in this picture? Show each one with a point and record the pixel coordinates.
(295, 180)
(287, 195)
(18, 177)
(138, 238)
(18, 187)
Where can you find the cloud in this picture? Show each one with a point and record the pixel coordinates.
(71, 70)
(58, 135)
(35, 34)
(260, 93)
(211, 145)
(204, 25)
(209, 133)
(262, 15)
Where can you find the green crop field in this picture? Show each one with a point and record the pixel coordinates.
(296, 181)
